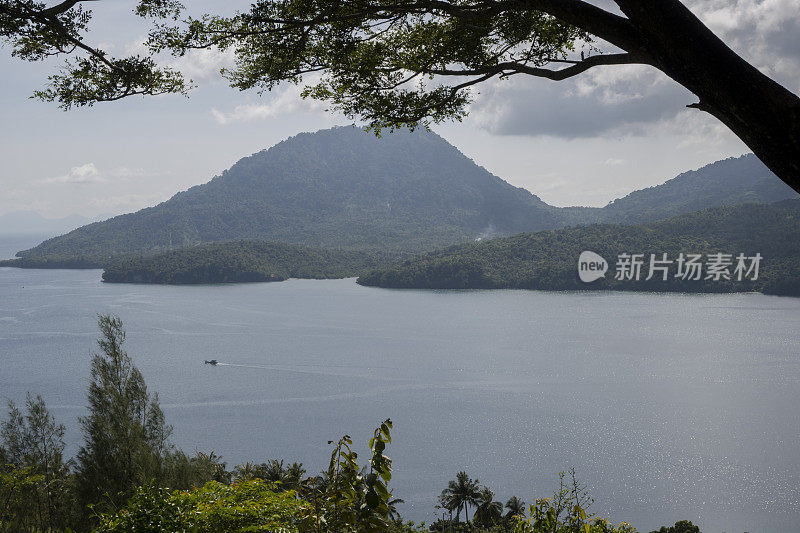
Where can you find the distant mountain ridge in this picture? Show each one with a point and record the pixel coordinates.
(336, 188)
(407, 191)
(736, 180)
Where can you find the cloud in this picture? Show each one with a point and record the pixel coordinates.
(197, 65)
(764, 32)
(244, 113)
(634, 100)
(284, 102)
(203, 65)
(614, 101)
(125, 172)
(87, 173)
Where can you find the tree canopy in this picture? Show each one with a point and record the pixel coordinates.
(126, 438)
(412, 62)
(35, 32)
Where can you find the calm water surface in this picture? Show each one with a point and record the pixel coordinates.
(669, 406)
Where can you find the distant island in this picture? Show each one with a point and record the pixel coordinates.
(545, 260)
(548, 260)
(341, 202)
(343, 188)
(242, 261)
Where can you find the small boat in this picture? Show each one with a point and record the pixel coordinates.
(212, 362)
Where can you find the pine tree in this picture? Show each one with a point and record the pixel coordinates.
(32, 450)
(125, 437)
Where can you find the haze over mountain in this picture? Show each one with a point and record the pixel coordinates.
(31, 222)
(407, 191)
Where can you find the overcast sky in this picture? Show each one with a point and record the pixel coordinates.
(580, 142)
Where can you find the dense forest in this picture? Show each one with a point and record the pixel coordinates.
(344, 188)
(337, 188)
(59, 261)
(549, 259)
(129, 477)
(241, 261)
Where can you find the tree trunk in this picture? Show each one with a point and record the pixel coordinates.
(761, 112)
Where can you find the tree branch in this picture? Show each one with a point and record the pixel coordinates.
(556, 75)
(64, 6)
(617, 30)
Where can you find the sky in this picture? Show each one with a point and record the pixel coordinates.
(585, 141)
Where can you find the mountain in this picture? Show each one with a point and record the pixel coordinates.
(239, 261)
(736, 180)
(341, 188)
(548, 260)
(407, 191)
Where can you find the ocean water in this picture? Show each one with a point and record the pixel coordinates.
(669, 406)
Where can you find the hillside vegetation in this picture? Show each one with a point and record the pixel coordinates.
(407, 191)
(338, 188)
(736, 180)
(239, 262)
(548, 260)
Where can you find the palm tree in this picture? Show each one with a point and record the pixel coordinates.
(460, 493)
(293, 474)
(245, 472)
(446, 503)
(488, 511)
(516, 507)
(392, 507)
(273, 471)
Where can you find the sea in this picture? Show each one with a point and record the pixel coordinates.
(668, 406)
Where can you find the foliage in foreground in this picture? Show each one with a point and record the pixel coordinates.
(129, 478)
(247, 506)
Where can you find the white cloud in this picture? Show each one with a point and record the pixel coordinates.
(203, 65)
(285, 101)
(137, 47)
(244, 113)
(197, 65)
(87, 173)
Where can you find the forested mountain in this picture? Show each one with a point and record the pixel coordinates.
(407, 191)
(337, 188)
(735, 180)
(239, 262)
(549, 259)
